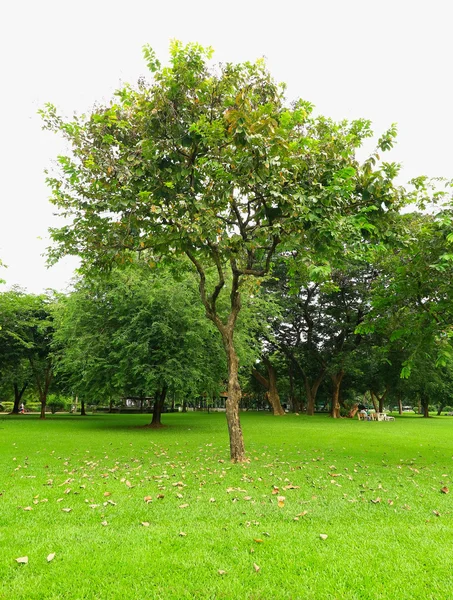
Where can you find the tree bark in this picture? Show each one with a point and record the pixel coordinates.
(312, 391)
(336, 381)
(400, 405)
(425, 407)
(374, 401)
(82, 408)
(158, 407)
(237, 449)
(270, 385)
(18, 397)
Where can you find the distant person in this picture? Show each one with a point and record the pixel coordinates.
(22, 409)
(363, 412)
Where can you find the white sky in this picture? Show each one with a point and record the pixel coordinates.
(389, 61)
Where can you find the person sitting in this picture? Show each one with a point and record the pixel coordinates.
(362, 414)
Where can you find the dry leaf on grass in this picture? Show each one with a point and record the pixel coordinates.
(66, 510)
(22, 560)
(144, 523)
(221, 572)
(258, 540)
(183, 505)
(281, 501)
(104, 523)
(50, 556)
(147, 499)
(444, 490)
(377, 501)
(323, 536)
(256, 567)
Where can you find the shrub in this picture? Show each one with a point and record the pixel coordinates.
(56, 404)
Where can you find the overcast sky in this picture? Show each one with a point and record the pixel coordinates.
(389, 61)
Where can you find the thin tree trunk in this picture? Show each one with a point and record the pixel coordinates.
(82, 408)
(18, 397)
(374, 401)
(158, 407)
(111, 405)
(294, 402)
(336, 381)
(237, 449)
(400, 405)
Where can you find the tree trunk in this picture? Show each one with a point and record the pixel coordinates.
(43, 400)
(237, 449)
(111, 405)
(312, 391)
(374, 401)
(18, 397)
(158, 407)
(336, 381)
(425, 407)
(400, 405)
(354, 410)
(294, 401)
(381, 400)
(271, 386)
(82, 408)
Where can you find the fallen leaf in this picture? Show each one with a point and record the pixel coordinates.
(22, 560)
(444, 490)
(182, 534)
(436, 512)
(323, 536)
(107, 494)
(211, 499)
(160, 496)
(281, 501)
(390, 502)
(377, 501)
(302, 514)
(66, 510)
(147, 499)
(28, 508)
(221, 572)
(104, 523)
(128, 483)
(183, 505)
(50, 556)
(256, 567)
(144, 523)
(258, 540)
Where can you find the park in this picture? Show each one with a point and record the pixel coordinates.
(247, 390)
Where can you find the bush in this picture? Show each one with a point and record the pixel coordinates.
(6, 406)
(447, 409)
(56, 404)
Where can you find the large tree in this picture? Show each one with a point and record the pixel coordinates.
(214, 163)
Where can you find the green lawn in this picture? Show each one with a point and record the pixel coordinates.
(103, 466)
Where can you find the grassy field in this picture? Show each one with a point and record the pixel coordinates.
(76, 487)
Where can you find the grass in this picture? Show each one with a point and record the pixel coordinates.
(102, 467)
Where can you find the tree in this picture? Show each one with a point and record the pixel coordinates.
(25, 343)
(137, 334)
(214, 163)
